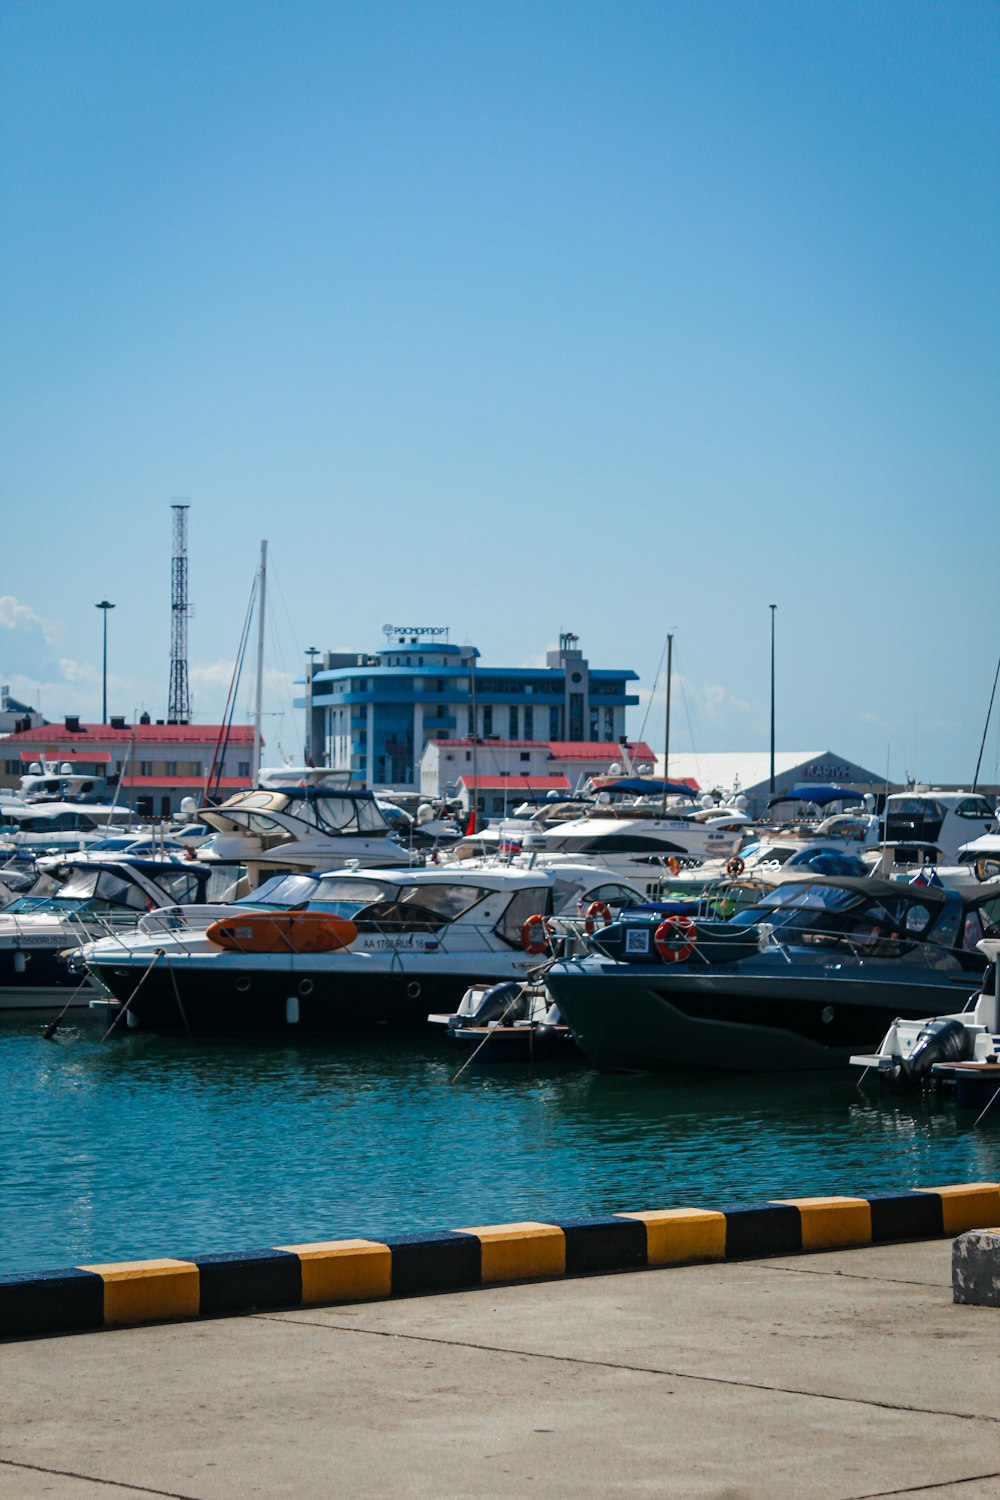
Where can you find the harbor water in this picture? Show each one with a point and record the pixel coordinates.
(141, 1146)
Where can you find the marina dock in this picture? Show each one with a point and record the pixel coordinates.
(838, 1375)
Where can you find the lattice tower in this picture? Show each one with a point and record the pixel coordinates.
(178, 701)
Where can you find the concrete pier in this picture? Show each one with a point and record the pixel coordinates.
(834, 1376)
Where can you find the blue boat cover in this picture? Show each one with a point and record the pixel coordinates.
(821, 795)
(645, 786)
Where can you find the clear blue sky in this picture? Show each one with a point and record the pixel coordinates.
(612, 317)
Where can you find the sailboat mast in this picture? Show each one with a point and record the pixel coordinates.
(666, 729)
(261, 599)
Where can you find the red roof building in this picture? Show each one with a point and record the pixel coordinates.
(159, 764)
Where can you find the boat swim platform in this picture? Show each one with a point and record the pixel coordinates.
(90, 1297)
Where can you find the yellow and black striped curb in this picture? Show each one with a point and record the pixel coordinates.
(361, 1270)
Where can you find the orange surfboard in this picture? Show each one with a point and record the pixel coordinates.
(283, 932)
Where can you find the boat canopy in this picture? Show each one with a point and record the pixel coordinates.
(820, 795)
(644, 786)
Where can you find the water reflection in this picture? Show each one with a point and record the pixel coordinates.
(144, 1146)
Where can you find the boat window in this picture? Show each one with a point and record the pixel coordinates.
(117, 891)
(347, 889)
(611, 895)
(916, 919)
(182, 886)
(447, 901)
(280, 890)
(920, 808)
(564, 891)
(813, 897)
(990, 911)
(832, 862)
(42, 892)
(522, 905)
(350, 815)
(79, 885)
(342, 896)
(772, 855)
(974, 807)
(264, 827)
(972, 931)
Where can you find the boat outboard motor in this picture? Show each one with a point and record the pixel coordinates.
(494, 1003)
(943, 1040)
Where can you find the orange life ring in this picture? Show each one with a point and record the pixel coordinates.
(674, 865)
(594, 910)
(735, 867)
(675, 939)
(529, 942)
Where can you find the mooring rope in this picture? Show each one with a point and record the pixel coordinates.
(124, 1010)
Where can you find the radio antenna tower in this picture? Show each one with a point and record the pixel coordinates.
(179, 702)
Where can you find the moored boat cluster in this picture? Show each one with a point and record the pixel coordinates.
(635, 926)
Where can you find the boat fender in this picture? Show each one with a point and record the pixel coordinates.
(735, 867)
(535, 933)
(594, 910)
(942, 1040)
(675, 939)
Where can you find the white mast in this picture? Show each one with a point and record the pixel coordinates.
(261, 596)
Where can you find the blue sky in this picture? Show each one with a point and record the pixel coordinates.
(616, 318)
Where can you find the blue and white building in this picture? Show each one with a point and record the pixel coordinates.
(374, 714)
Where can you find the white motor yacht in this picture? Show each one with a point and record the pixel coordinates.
(72, 904)
(926, 826)
(637, 829)
(374, 948)
(300, 819)
(33, 828)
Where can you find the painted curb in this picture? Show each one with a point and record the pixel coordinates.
(83, 1298)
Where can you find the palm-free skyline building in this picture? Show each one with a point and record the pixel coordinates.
(374, 714)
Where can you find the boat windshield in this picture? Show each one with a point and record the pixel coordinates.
(805, 912)
(770, 856)
(341, 895)
(90, 889)
(420, 908)
(447, 901)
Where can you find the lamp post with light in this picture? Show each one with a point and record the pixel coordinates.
(312, 652)
(104, 606)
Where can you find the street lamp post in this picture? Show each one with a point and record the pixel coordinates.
(312, 652)
(104, 606)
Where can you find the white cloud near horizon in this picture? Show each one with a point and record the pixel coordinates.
(16, 615)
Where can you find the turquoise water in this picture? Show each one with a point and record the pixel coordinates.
(145, 1146)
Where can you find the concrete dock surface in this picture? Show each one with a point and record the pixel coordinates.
(831, 1376)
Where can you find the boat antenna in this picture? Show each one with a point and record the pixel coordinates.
(986, 726)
